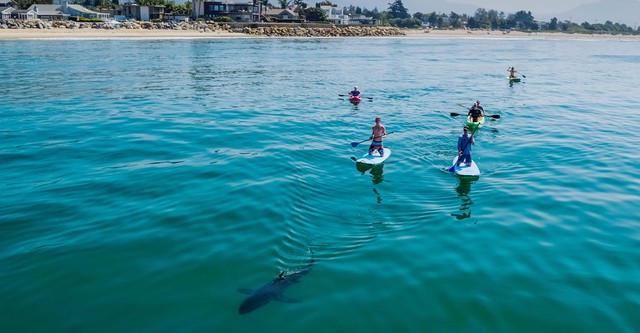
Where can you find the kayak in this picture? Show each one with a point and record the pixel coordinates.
(472, 125)
(375, 158)
(355, 99)
(464, 170)
(514, 79)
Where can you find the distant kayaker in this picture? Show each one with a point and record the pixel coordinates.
(464, 147)
(355, 92)
(512, 72)
(475, 112)
(378, 131)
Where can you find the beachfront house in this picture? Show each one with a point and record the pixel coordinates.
(62, 12)
(335, 15)
(363, 20)
(143, 13)
(5, 13)
(281, 15)
(4, 4)
(237, 11)
(24, 14)
(6, 8)
(49, 12)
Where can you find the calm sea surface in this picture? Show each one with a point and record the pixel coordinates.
(145, 182)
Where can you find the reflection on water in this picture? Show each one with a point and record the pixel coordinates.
(463, 189)
(375, 170)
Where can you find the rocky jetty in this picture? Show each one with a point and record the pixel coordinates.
(331, 31)
(281, 30)
(204, 26)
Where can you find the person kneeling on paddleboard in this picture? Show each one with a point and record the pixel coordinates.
(464, 147)
(377, 132)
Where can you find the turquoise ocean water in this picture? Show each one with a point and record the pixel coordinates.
(145, 182)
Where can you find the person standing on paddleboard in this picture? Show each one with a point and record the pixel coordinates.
(512, 72)
(464, 147)
(377, 132)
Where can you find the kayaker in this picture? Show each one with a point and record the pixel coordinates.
(480, 106)
(378, 131)
(355, 92)
(464, 147)
(475, 112)
(512, 72)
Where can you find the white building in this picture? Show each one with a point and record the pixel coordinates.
(335, 15)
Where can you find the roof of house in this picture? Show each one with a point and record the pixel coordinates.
(280, 11)
(47, 9)
(81, 9)
(4, 3)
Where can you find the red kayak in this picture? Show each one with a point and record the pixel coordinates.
(355, 99)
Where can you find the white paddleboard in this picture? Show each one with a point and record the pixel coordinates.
(375, 158)
(464, 170)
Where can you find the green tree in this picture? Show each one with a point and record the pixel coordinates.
(432, 18)
(150, 2)
(265, 3)
(284, 3)
(455, 20)
(24, 4)
(524, 20)
(553, 25)
(397, 10)
(315, 14)
(371, 13)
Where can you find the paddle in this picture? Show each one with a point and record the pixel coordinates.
(524, 76)
(453, 167)
(355, 144)
(370, 98)
(494, 116)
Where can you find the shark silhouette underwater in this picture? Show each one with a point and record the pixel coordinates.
(274, 290)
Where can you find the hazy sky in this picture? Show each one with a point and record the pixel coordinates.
(508, 6)
(537, 6)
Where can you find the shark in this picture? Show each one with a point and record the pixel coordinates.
(274, 290)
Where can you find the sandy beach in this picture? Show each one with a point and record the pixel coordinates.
(113, 33)
(57, 33)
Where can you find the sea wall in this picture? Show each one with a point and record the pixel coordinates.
(273, 30)
(330, 31)
(41, 24)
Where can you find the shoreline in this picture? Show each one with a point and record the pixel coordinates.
(93, 33)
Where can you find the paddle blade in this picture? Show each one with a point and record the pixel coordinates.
(453, 114)
(495, 116)
(524, 76)
(354, 144)
(341, 95)
(452, 168)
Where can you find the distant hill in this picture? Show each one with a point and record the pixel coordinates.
(616, 11)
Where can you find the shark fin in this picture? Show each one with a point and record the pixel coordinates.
(286, 299)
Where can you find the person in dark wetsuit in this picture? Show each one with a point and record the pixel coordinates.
(475, 112)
